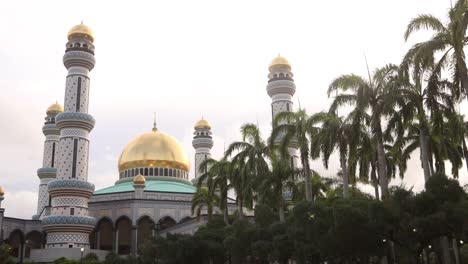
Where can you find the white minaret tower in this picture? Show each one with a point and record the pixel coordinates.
(48, 171)
(69, 224)
(281, 89)
(202, 143)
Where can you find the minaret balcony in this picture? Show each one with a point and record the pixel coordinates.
(75, 120)
(43, 173)
(79, 59)
(70, 187)
(281, 87)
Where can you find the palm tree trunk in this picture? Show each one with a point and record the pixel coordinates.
(226, 214)
(375, 182)
(308, 185)
(344, 170)
(463, 74)
(382, 166)
(240, 205)
(281, 209)
(465, 152)
(423, 147)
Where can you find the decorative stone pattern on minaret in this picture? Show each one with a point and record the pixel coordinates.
(69, 224)
(48, 171)
(202, 143)
(281, 88)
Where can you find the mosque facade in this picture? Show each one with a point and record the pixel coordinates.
(153, 193)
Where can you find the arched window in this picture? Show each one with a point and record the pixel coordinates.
(151, 172)
(161, 171)
(166, 173)
(170, 172)
(281, 75)
(146, 172)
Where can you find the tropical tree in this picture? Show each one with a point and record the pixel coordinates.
(369, 99)
(204, 198)
(449, 39)
(216, 179)
(335, 134)
(273, 185)
(249, 160)
(291, 129)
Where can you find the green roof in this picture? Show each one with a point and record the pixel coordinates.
(151, 186)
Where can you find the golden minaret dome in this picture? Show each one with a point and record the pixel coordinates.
(279, 61)
(2, 191)
(81, 30)
(202, 123)
(54, 109)
(154, 149)
(139, 179)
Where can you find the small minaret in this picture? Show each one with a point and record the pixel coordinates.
(69, 223)
(281, 89)
(2, 212)
(2, 193)
(202, 143)
(139, 183)
(48, 171)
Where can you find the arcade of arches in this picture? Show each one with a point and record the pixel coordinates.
(123, 238)
(22, 244)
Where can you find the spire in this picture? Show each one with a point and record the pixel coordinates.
(154, 123)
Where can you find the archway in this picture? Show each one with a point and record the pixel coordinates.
(124, 236)
(166, 222)
(145, 230)
(16, 241)
(92, 240)
(104, 234)
(34, 240)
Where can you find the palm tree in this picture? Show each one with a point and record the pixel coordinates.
(203, 198)
(249, 160)
(426, 112)
(291, 129)
(449, 38)
(334, 134)
(216, 178)
(369, 98)
(272, 185)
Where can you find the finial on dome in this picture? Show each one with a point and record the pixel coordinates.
(139, 179)
(154, 123)
(2, 191)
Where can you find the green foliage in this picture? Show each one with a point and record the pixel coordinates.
(337, 230)
(5, 251)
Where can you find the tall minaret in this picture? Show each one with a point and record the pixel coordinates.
(281, 89)
(202, 143)
(48, 171)
(69, 225)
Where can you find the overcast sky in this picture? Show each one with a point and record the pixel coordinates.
(181, 59)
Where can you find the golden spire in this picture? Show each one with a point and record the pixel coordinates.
(154, 123)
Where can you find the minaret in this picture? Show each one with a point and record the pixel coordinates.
(202, 143)
(48, 171)
(69, 224)
(281, 89)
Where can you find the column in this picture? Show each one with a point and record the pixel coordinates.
(134, 246)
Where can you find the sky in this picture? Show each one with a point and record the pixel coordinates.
(183, 60)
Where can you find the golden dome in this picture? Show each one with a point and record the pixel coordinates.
(81, 30)
(54, 109)
(202, 123)
(2, 191)
(153, 149)
(279, 61)
(139, 179)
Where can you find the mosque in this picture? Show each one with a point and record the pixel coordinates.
(153, 193)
